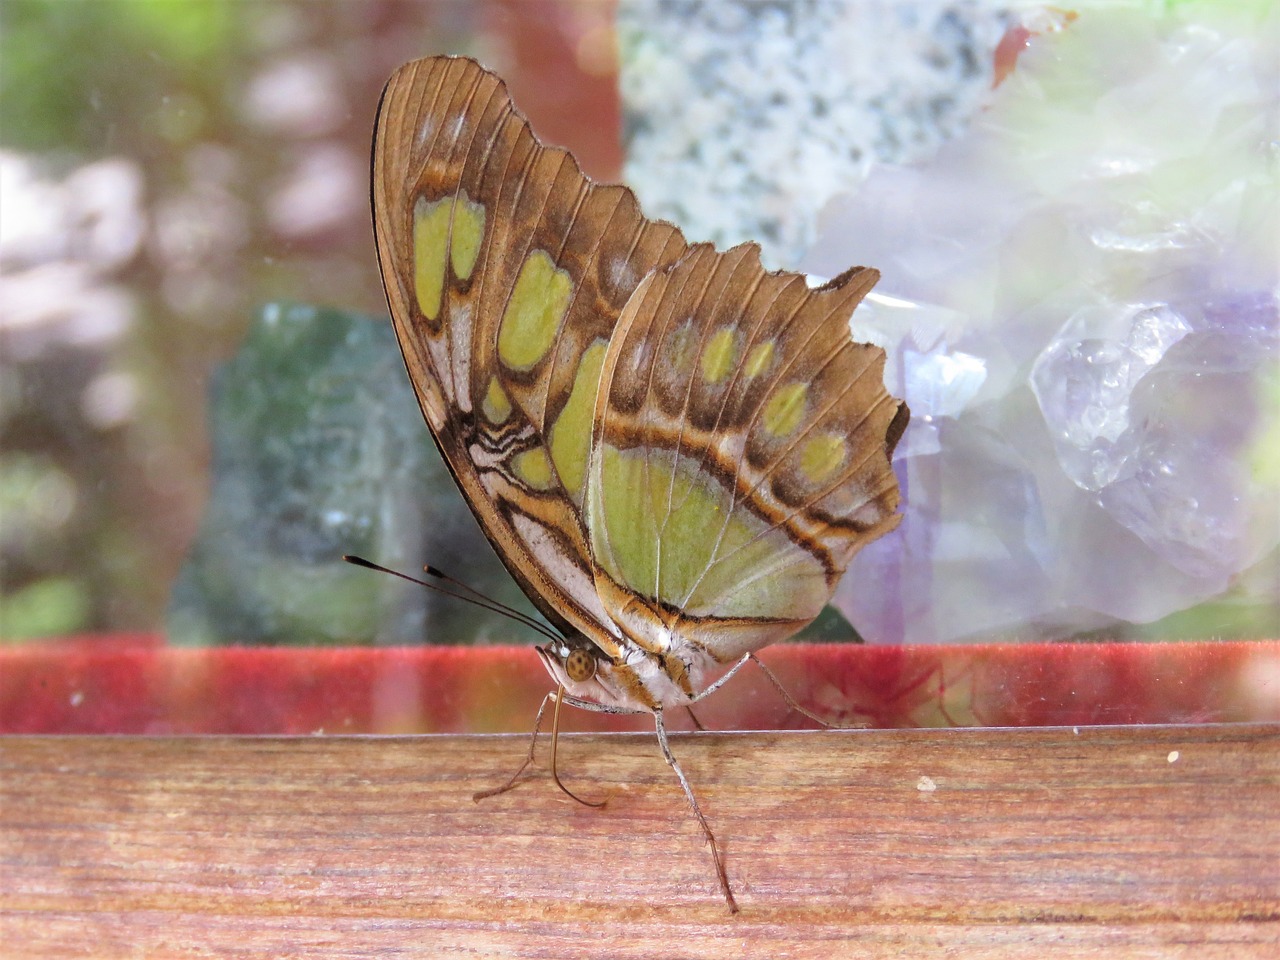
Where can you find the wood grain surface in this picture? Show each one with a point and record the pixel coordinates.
(1102, 841)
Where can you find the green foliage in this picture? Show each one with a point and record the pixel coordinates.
(58, 90)
(57, 606)
(831, 626)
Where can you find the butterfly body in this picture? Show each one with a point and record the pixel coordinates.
(634, 680)
(674, 451)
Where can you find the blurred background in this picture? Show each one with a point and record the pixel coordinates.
(171, 168)
(167, 167)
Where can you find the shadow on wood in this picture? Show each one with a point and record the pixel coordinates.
(980, 843)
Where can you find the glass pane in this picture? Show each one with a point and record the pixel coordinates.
(203, 406)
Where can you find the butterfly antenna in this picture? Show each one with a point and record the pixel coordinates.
(460, 592)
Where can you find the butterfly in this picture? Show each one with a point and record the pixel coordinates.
(675, 452)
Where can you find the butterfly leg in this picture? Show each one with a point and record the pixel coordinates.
(557, 698)
(694, 717)
(723, 680)
(533, 745)
(788, 698)
(667, 755)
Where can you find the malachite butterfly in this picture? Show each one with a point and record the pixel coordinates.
(674, 451)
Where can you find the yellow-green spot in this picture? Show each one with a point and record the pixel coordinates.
(468, 231)
(534, 313)
(571, 433)
(785, 409)
(533, 467)
(758, 360)
(719, 356)
(430, 238)
(820, 457)
(496, 404)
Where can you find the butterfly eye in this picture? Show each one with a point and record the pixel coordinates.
(580, 666)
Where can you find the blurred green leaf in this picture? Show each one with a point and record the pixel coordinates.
(54, 607)
(57, 97)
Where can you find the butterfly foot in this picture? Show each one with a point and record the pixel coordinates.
(492, 792)
(509, 785)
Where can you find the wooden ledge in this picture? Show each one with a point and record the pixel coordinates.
(1115, 841)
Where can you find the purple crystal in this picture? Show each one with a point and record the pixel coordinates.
(1092, 358)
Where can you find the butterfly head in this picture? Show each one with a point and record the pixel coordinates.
(634, 681)
(580, 667)
(589, 673)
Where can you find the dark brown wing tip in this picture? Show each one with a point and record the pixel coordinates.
(867, 278)
(897, 427)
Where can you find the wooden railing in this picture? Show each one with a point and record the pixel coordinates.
(977, 843)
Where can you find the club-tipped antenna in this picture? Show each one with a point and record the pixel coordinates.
(461, 591)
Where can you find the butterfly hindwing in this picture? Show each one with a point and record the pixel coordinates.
(741, 452)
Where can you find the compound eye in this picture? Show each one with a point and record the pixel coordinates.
(580, 666)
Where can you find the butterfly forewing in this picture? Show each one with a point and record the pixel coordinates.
(506, 270)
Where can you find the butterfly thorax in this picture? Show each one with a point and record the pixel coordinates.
(633, 680)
